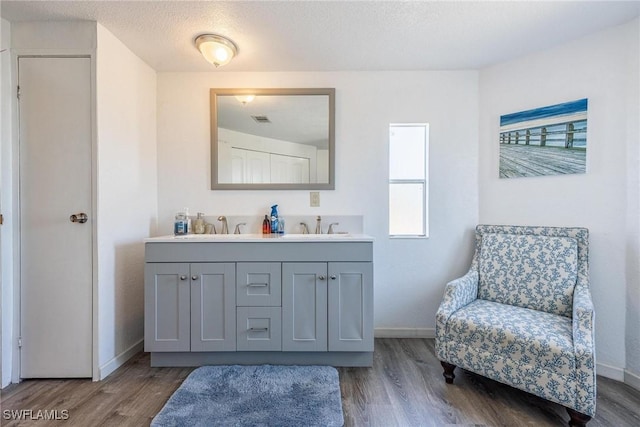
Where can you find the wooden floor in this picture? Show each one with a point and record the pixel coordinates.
(533, 160)
(405, 387)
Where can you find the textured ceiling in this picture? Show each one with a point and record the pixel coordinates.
(337, 35)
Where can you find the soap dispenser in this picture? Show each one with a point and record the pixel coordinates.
(274, 219)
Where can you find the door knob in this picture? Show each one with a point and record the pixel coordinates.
(79, 217)
(321, 277)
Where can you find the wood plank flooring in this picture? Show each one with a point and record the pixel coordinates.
(405, 387)
(533, 160)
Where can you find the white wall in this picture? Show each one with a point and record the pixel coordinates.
(632, 374)
(127, 195)
(6, 236)
(603, 68)
(409, 274)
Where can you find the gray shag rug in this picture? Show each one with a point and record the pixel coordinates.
(264, 395)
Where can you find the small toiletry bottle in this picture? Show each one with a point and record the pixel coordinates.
(198, 227)
(189, 226)
(280, 225)
(266, 225)
(180, 224)
(274, 218)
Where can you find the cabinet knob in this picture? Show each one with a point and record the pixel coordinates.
(333, 277)
(321, 277)
(183, 277)
(194, 277)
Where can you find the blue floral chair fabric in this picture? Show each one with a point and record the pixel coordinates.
(523, 315)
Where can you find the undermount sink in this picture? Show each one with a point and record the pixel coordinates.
(316, 236)
(218, 236)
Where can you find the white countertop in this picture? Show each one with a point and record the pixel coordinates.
(261, 238)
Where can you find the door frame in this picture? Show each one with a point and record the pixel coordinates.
(15, 189)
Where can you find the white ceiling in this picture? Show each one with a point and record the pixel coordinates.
(337, 35)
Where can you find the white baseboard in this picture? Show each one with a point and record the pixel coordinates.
(119, 360)
(611, 372)
(632, 379)
(404, 333)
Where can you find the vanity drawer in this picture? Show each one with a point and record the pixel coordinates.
(259, 329)
(258, 284)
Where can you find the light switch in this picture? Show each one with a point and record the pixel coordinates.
(314, 199)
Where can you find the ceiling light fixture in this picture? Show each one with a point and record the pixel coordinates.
(216, 49)
(245, 99)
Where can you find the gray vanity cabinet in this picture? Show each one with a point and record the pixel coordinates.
(213, 300)
(190, 307)
(327, 306)
(350, 306)
(258, 300)
(254, 300)
(167, 320)
(304, 306)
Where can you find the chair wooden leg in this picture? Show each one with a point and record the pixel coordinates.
(448, 372)
(578, 419)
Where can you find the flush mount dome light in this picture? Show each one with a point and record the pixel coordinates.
(216, 49)
(245, 99)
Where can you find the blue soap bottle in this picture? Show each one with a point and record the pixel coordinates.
(274, 218)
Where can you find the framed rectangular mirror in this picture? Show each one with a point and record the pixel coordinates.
(273, 139)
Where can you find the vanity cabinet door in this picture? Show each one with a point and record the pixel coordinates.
(166, 298)
(213, 307)
(304, 306)
(350, 297)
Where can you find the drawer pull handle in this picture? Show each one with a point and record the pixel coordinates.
(258, 329)
(257, 285)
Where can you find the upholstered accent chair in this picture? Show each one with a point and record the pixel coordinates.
(523, 315)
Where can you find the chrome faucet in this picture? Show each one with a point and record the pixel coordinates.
(237, 230)
(305, 229)
(331, 227)
(225, 227)
(318, 225)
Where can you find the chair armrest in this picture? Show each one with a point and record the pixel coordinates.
(584, 348)
(457, 294)
(583, 321)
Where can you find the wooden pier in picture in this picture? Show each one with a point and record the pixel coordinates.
(533, 160)
(549, 140)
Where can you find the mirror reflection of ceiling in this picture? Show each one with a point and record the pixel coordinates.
(299, 119)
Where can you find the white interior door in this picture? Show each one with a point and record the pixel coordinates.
(55, 182)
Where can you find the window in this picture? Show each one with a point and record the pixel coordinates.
(408, 191)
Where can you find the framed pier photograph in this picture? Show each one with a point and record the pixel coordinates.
(549, 140)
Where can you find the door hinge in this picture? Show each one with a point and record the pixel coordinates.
(20, 342)
(1, 219)
(18, 92)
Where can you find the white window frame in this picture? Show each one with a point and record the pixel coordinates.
(425, 182)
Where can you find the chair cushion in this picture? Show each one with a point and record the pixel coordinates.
(537, 272)
(532, 339)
